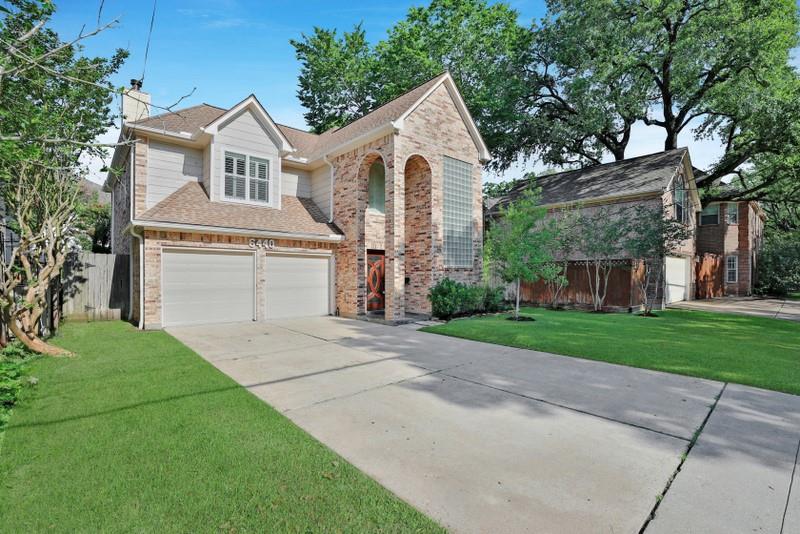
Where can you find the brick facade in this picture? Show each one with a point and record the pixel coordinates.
(140, 152)
(741, 239)
(157, 240)
(410, 232)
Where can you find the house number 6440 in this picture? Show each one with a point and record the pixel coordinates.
(268, 244)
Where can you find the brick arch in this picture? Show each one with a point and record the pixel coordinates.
(418, 233)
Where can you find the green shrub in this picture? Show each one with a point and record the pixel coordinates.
(13, 361)
(779, 265)
(452, 299)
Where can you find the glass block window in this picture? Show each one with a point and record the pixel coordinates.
(457, 213)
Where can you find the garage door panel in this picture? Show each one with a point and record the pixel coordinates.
(207, 287)
(297, 286)
(677, 281)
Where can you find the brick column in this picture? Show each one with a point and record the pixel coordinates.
(395, 240)
(140, 176)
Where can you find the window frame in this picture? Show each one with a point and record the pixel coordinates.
(710, 223)
(729, 269)
(729, 212)
(370, 207)
(272, 171)
(470, 262)
(679, 185)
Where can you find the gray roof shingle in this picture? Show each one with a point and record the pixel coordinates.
(641, 175)
(309, 145)
(190, 205)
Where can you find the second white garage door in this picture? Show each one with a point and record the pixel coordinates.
(677, 278)
(297, 286)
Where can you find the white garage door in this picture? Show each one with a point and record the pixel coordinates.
(677, 278)
(297, 286)
(207, 287)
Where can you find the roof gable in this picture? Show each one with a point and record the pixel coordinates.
(455, 95)
(307, 146)
(251, 104)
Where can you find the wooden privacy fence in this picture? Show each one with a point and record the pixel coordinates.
(95, 286)
(623, 293)
(709, 276)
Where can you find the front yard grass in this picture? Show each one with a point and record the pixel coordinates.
(756, 351)
(137, 433)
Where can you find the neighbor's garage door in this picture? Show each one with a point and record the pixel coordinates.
(677, 274)
(207, 287)
(297, 286)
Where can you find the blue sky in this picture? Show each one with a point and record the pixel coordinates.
(227, 49)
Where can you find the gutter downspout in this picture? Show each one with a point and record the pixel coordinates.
(326, 160)
(140, 238)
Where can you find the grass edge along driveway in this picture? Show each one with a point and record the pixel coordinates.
(139, 433)
(754, 351)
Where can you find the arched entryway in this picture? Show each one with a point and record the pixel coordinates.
(373, 187)
(418, 234)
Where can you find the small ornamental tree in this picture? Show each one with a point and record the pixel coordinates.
(653, 234)
(601, 234)
(518, 244)
(564, 227)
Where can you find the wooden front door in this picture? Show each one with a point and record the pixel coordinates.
(376, 270)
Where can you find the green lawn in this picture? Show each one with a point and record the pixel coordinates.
(734, 348)
(139, 434)
(794, 296)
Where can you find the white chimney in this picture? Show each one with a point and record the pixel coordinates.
(135, 103)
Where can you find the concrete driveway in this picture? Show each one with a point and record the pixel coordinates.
(485, 438)
(774, 308)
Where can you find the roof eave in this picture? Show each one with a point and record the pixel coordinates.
(274, 234)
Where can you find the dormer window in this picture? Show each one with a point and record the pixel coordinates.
(246, 178)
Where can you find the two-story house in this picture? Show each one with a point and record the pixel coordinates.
(228, 216)
(732, 231)
(664, 180)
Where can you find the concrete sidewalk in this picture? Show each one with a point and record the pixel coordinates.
(761, 307)
(485, 438)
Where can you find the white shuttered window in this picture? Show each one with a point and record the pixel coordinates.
(246, 177)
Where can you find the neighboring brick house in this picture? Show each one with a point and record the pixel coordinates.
(733, 232)
(229, 216)
(663, 179)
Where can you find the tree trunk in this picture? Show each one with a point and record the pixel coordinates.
(34, 343)
(516, 309)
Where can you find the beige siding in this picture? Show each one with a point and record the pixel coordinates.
(246, 135)
(295, 182)
(321, 188)
(168, 168)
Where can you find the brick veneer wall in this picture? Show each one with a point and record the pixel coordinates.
(741, 240)
(375, 230)
(433, 130)
(140, 151)
(350, 204)
(419, 238)
(155, 240)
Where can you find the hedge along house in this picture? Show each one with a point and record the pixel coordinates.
(229, 216)
(663, 179)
